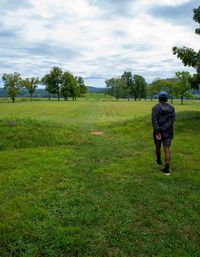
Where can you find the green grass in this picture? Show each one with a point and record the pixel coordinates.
(65, 192)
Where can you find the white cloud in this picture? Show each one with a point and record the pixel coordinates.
(85, 38)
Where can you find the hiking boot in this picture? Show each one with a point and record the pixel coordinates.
(165, 170)
(158, 161)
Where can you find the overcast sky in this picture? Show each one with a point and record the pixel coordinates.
(95, 39)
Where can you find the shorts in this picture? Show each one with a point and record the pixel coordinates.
(165, 140)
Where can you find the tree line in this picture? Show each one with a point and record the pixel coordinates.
(56, 82)
(131, 86)
(177, 87)
(128, 86)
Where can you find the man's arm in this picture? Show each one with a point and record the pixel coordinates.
(154, 117)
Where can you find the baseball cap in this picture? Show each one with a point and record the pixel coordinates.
(163, 94)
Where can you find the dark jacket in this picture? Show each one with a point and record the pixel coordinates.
(163, 116)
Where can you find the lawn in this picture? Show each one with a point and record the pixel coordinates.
(66, 192)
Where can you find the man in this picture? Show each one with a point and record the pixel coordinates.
(163, 116)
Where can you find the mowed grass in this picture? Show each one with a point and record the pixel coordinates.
(65, 192)
(85, 111)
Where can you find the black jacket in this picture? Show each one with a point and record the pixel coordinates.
(163, 116)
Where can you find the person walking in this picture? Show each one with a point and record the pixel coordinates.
(163, 117)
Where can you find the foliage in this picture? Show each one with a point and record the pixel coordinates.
(190, 57)
(31, 84)
(56, 79)
(139, 87)
(64, 83)
(159, 84)
(115, 87)
(182, 85)
(46, 80)
(12, 84)
(127, 86)
(82, 86)
(52, 81)
(127, 78)
(69, 86)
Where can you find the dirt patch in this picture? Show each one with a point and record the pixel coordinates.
(97, 133)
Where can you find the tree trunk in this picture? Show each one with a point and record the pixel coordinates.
(181, 99)
(13, 99)
(58, 96)
(49, 97)
(31, 97)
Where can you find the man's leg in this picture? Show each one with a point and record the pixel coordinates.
(158, 152)
(166, 144)
(167, 154)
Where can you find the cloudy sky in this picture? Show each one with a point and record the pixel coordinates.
(95, 39)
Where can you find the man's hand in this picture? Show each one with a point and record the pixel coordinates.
(158, 136)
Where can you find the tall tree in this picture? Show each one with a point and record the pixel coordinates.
(46, 80)
(82, 86)
(69, 86)
(55, 77)
(190, 57)
(140, 87)
(127, 78)
(150, 91)
(31, 84)
(115, 87)
(182, 85)
(12, 84)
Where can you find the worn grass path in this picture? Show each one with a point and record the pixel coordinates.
(65, 192)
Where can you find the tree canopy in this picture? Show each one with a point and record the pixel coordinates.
(127, 86)
(31, 84)
(69, 86)
(12, 84)
(182, 86)
(64, 83)
(189, 56)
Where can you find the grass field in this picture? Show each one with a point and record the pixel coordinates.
(66, 192)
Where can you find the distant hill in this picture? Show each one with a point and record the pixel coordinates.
(96, 89)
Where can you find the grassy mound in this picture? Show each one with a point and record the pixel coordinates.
(66, 192)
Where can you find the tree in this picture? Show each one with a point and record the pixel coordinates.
(190, 57)
(115, 87)
(182, 85)
(31, 84)
(46, 80)
(163, 85)
(69, 86)
(150, 91)
(139, 88)
(12, 84)
(53, 81)
(82, 86)
(127, 78)
(169, 87)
